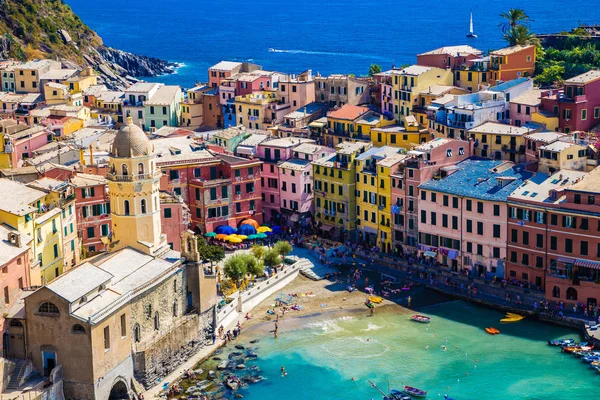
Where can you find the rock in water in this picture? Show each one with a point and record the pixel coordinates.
(255, 341)
(239, 347)
(217, 358)
(222, 365)
(240, 366)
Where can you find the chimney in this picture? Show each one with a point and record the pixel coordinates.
(14, 238)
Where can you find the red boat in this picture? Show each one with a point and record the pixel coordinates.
(421, 318)
(413, 391)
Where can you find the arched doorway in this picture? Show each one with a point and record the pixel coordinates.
(571, 294)
(119, 391)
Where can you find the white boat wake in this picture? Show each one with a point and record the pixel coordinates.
(322, 53)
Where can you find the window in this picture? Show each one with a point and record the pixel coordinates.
(156, 321)
(553, 243)
(143, 206)
(445, 201)
(526, 238)
(433, 218)
(48, 308)
(444, 220)
(469, 226)
(423, 195)
(123, 326)
(213, 193)
(583, 248)
(423, 216)
(525, 259)
(514, 236)
(106, 338)
(454, 222)
(469, 247)
(455, 202)
(433, 197)
(568, 245)
(539, 241)
(496, 252)
(480, 207)
(480, 228)
(479, 249)
(91, 232)
(583, 114)
(469, 205)
(126, 210)
(78, 329)
(136, 333)
(167, 213)
(496, 210)
(496, 231)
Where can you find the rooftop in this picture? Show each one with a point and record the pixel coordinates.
(557, 146)
(378, 152)
(545, 136)
(8, 251)
(586, 77)
(508, 85)
(348, 111)
(142, 87)
(308, 148)
(537, 188)
(412, 70)
(16, 197)
(478, 178)
(59, 74)
(232, 132)
(226, 65)
(454, 51)
(392, 160)
(351, 147)
(55, 85)
(254, 140)
(529, 98)
(496, 128)
(164, 96)
(83, 180)
(439, 90)
(48, 184)
(35, 64)
(286, 142)
(432, 144)
(294, 164)
(509, 50)
(28, 132)
(590, 182)
(79, 281)
(391, 129)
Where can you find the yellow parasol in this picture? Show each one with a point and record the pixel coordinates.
(263, 229)
(234, 240)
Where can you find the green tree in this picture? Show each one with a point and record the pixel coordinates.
(520, 35)
(235, 268)
(283, 248)
(253, 266)
(513, 18)
(551, 75)
(210, 252)
(374, 69)
(258, 251)
(271, 258)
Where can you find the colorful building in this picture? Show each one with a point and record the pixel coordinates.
(350, 123)
(409, 82)
(524, 106)
(297, 90)
(463, 216)
(577, 106)
(178, 220)
(335, 190)
(259, 110)
(430, 160)
(452, 57)
(374, 195)
(27, 75)
(338, 90)
(20, 145)
(511, 63)
(93, 212)
(500, 141)
(163, 108)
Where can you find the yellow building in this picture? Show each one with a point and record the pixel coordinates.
(549, 120)
(473, 79)
(82, 81)
(133, 183)
(409, 82)
(56, 93)
(353, 123)
(499, 141)
(562, 154)
(28, 75)
(40, 216)
(407, 136)
(259, 110)
(335, 186)
(374, 195)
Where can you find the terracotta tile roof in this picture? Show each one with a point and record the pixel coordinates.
(348, 111)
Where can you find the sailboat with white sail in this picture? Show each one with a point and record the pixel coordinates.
(471, 34)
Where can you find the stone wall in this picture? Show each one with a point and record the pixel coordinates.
(6, 368)
(158, 359)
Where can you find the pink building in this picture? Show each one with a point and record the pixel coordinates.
(297, 90)
(174, 218)
(14, 265)
(577, 106)
(272, 152)
(463, 216)
(523, 106)
(297, 192)
(431, 159)
(384, 81)
(454, 57)
(255, 81)
(22, 144)
(92, 206)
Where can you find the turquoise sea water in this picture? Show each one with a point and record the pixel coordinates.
(322, 356)
(343, 36)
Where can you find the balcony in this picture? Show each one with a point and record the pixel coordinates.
(132, 178)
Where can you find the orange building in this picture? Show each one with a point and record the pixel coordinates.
(511, 63)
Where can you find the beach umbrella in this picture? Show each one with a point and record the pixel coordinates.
(264, 229)
(261, 235)
(253, 236)
(221, 236)
(234, 240)
(225, 229)
(246, 230)
(210, 234)
(277, 229)
(267, 234)
(243, 237)
(252, 222)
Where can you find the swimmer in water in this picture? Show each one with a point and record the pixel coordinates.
(443, 348)
(426, 347)
(354, 379)
(283, 373)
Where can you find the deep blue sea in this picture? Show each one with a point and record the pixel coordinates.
(327, 36)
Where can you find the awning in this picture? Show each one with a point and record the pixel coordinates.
(565, 260)
(327, 228)
(433, 107)
(248, 151)
(317, 124)
(430, 253)
(587, 264)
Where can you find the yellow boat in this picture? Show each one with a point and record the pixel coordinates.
(512, 317)
(509, 314)
(375, 299)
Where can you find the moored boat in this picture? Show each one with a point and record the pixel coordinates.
(421, 318)
(414, 392)
(492, 331)
(561, 342)
(398, 395)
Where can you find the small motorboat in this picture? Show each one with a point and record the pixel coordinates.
(561, 342)
(421, 318)
(492, 331)
(398, 395)
(590, 359)
(415, 392)
(573, 349)
(512, 317)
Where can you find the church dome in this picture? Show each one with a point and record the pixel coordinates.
(131, 141)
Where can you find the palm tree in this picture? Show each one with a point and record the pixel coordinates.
(514, 17)
(520, 35)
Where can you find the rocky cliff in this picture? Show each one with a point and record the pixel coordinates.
(32, 29)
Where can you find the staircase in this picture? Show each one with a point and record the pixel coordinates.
(17, 375)
(306, 269)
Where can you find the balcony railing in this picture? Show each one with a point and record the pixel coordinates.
(131, 178)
